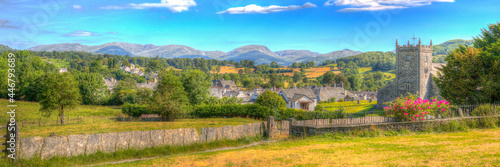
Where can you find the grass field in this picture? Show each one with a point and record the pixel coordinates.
(56, 62)
(350, 106)
(473, 148)
(99, 119)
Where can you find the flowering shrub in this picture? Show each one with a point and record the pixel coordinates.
(411, 108)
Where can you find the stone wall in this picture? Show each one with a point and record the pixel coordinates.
(86, 144)
(298, 130)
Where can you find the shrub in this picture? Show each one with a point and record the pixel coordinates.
(484, 110)
(232, 110)
(136, 110)
(412, 109)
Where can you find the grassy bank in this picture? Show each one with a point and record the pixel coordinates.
(89, 119)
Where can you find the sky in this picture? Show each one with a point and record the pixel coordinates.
(318, 25)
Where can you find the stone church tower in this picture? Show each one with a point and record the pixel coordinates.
(414, 70)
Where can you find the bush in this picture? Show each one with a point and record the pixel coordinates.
(232, 110)
(136, 110)
(412, 109)
(485, 110)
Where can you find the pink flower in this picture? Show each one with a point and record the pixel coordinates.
(417, 115)
(405, 113)
(439, 106)
(430, 103)
(425, 112)
(433, 100)
(428, 107)
(444, 109)
(390, 113)
(422, 119)
(446, 102)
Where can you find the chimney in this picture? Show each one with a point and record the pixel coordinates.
(419, 42)
(431, 42)
(408, 42)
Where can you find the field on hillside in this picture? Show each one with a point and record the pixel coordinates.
(310, 73)
(473, 148)
(350, 106)
(56, 62)
(88, 119)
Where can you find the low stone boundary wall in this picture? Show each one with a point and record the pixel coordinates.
(298, 130)
(74, 145)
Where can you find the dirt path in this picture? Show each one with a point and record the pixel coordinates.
(218, 149)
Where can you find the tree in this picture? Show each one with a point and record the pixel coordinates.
(170, 98)
(356, 82)
(154, 66)
(471, 75)
(328, 77)
(196, 85)
(248, 83)
(59, 92)
(92, 88)
(96, 66)
(340, 65)
(271, 100)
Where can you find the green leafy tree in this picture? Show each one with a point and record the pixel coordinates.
(471, 75)
(340, 65)
(59, 92)
(170, 99)
(271, 100)
(196, 85)
(356, 81)
(92, 88)
(328, 77)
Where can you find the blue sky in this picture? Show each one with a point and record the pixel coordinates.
(317, 25)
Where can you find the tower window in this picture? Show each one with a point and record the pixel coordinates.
(407, 58)
(425, 58)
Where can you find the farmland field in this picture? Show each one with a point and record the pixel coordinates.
(56, 62)
(88, 119)
(472, 148)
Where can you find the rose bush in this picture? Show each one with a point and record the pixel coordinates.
(411, 108)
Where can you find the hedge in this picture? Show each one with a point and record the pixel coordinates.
(136, 110)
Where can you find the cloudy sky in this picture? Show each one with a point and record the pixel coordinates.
(317, 25)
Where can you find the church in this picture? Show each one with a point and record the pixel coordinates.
(414, 74)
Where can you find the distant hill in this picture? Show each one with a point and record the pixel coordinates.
(4, 48)
(333, 55)
(258, 53)
(448, 46)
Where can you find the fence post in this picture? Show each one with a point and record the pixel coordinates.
(270, 126)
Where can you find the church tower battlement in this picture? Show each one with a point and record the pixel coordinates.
(413, 73)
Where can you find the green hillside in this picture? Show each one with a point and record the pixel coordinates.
(448, 46)
(4, 48)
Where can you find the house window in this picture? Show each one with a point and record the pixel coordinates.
(304, 106)
(407, 58)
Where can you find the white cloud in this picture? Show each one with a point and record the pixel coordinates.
(77, 7)
(172, 5)
(266, 9)
(374, 5)
(81, 34)
(112, 32)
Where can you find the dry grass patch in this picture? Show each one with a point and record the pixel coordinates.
(446, 149)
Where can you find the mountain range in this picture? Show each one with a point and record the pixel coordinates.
(257, 53)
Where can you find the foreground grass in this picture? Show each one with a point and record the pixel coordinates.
(473, 148)
(89, 119)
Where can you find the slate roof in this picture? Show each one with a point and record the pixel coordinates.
(290, 93)
(298, 96)
(151, 86)
(435, 66)
(328, 92)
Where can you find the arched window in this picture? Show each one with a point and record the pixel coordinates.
(407, 58)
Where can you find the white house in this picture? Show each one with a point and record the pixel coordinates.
(304, 98)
